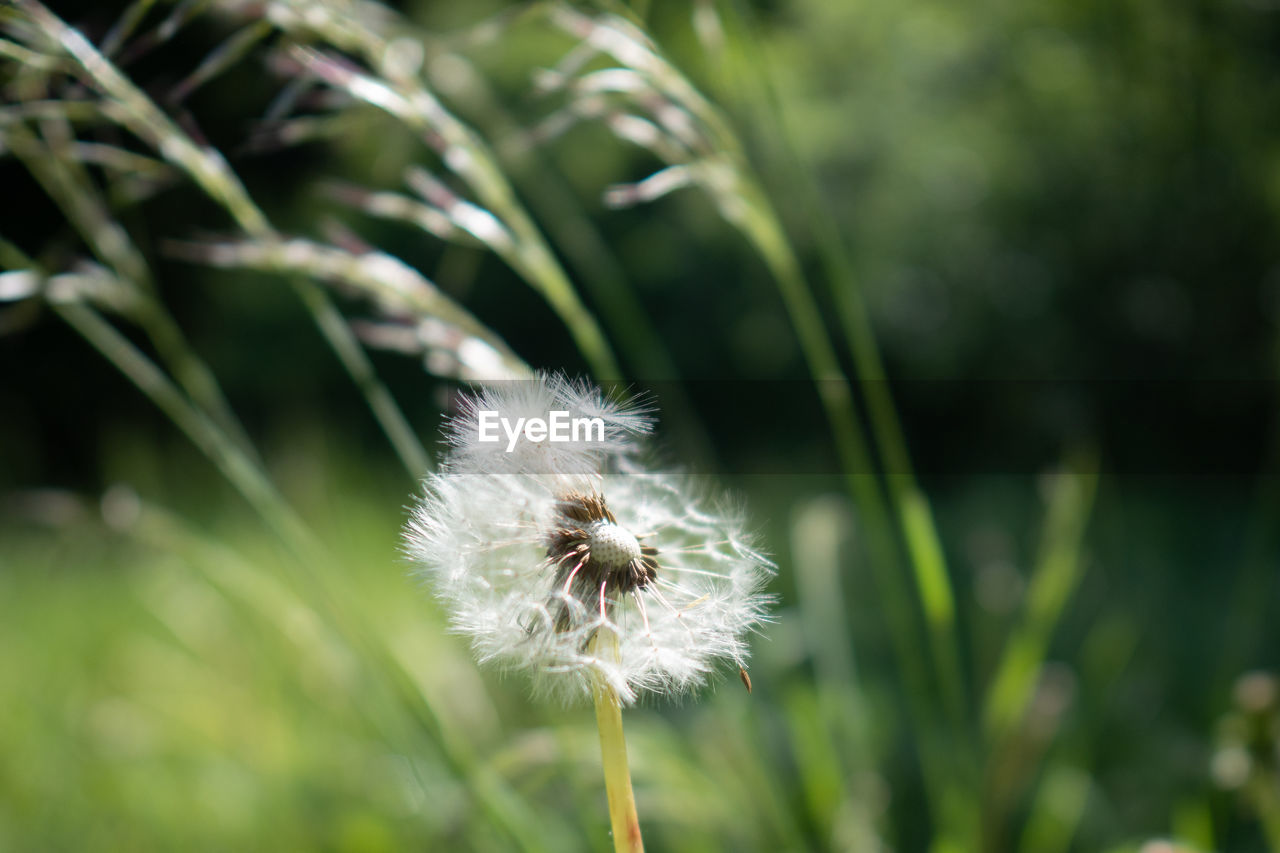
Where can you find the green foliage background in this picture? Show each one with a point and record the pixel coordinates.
(1055, 223)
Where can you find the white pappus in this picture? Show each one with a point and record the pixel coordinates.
(533, 552)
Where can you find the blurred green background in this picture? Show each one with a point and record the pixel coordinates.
(1053, 629)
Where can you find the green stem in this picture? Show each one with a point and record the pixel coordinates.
(225, 453)
(347, 347)
(613, 752)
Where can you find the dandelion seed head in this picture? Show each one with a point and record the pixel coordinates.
(612, 545)
(533, 552)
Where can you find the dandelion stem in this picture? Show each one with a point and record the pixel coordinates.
(613, 750)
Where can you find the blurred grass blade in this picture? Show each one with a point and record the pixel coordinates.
(203, 432)
(1056, 811)
(817, 530)
(915, 519)
(220, 59)
(341, 337)
(1054, 579)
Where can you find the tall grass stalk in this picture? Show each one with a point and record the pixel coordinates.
(130, 107)
(1013, 739)
(1057, 571)
(502, 222)
(911, 506)
(949, 793)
